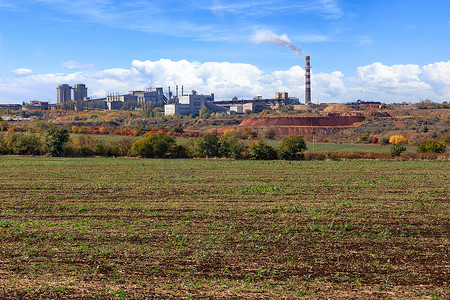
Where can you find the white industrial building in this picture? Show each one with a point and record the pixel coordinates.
(188, 104)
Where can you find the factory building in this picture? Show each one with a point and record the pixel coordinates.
(188, 104)
(79, 92)
(116, 101)
(63, 92)
(35, 105)
(257, 104)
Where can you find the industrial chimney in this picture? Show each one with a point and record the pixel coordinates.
(308, 80)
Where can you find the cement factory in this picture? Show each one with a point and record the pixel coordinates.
(174, 104)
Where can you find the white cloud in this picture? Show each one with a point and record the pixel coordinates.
(437, 75)
(22, 71)
(330, 86)
(397, 82)
(376, 81)
(73, 65)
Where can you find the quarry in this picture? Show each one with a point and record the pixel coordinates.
(305, 126)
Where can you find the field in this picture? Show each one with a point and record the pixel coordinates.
(136, 228)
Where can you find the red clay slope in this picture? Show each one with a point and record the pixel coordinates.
(328, 121)
(322, 126)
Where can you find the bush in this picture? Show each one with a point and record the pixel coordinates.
(260, 150)
(3, 145)
(397, 149)
(87, 146)
(363, 138)
(270, 134)
(445, 139)
(177, 151)
(20, 144)
(27, 144)
(154, 145)
(3, 125)
(207, 146)
(432, 146)
(231, 147)
(120, 148)
(292, 147)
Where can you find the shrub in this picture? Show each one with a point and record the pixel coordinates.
(207, 146)
(292, 147)
(231, 147)
(3, 145)
(27, 144)
(432, 145)
(260, 150)
(363, 138)
(270, 134)
(177, 151)
(397, 149)
(445, 139)
(154, 145)
(3, 125)
(121, 147)
(85, 145)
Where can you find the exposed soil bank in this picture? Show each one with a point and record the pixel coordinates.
(305, 126)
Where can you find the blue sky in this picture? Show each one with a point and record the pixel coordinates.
(390, 51)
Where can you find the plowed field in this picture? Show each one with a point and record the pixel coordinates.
(135, 228)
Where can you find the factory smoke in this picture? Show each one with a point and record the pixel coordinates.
(266, 36)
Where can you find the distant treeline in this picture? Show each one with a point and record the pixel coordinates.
(57, 141)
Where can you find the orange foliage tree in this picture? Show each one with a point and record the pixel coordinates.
(398, 139)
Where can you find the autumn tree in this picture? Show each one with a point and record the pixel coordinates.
(398, 139)
(292, 147)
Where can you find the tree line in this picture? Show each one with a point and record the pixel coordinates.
(57, 141)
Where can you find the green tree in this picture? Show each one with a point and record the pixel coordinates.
(154, 145)
(292, 147)
(203, 112)
(260, 150)
(67, 105)
(230, 146)
(55, 139)
(270, 134)
(432, 145)
(207, 146)
(177, 129)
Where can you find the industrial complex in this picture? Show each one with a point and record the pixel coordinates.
(173, 104)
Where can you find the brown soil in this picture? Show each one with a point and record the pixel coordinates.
(294, 125)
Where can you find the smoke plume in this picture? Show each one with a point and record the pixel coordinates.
(266, 36)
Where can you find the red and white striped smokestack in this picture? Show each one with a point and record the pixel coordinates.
(308, 80)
